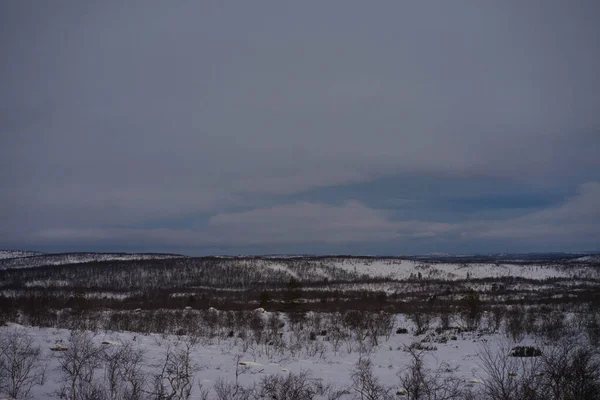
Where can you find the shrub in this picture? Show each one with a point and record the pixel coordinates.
(78, 365)
(420, 383)
(422, 347)
(365, 384)
(22, 365)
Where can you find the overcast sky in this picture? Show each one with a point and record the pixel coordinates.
(387, 127)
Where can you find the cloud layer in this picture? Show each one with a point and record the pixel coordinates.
(115, 116)
(303, 224)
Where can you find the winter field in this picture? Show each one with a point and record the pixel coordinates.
(344, 365)
(98, 326)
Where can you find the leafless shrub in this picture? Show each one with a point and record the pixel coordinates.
(571, 370)
(592, 328)
(314, 321)
(329, 391)
(177, 374)
(421, 319)
(274, 324)
(257, 325)
(296, 320)
(421, 383)
(356, 322)
(472, 310)
(531, 320)
(496, 316)
(286, 387)
(336, 335)
(203, 392)
(22, 365)
(78, 365)
(506, 377)
(565, 370)
(416, 346)
(365, 385)
(379, 324)
(315, 347)
(226, 390)
(552, 326)
(515, 327)
(123, 375)
(445, 315)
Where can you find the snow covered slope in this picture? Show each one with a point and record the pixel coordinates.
(4, 254)
(404, 269)
(38, 260)
(355, 269)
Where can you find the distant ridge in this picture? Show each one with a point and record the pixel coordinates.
(31, 259)
(25, 259)
(4, 254)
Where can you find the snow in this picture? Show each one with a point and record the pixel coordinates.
(39, 259)
(283, 268)
(404, 269)
(594, 258)
(13, 325)
(218, 357)
(4, 254)
(352, 268)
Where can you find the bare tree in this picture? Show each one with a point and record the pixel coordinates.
(506, 377)
(592, 327)
(496, 318)
(78, 364)
(123, 375)
(571, 370)
(421, 319)
(366, 385)
(421, 383)
(444, 314)
(335, 330)
(288, 387)
(515, 327)
(226, 390)
(472, 310)
(177, 373)
(22, 365)
(203, 392)
(380, 324)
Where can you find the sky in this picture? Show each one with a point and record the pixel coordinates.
(264, 127)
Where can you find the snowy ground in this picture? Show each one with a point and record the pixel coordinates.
(217, 357)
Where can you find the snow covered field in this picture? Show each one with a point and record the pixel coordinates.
(220, 357)
(335, 314)
(286, 349)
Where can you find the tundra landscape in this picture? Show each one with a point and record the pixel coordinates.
(165, 326)
(299, 200)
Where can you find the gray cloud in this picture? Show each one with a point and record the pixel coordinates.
(300, 223)
(578, 219)
(575, 221)
(112, 114)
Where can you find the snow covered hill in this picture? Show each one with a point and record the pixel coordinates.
(404, 269)
(4, 254)
(41, 259)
